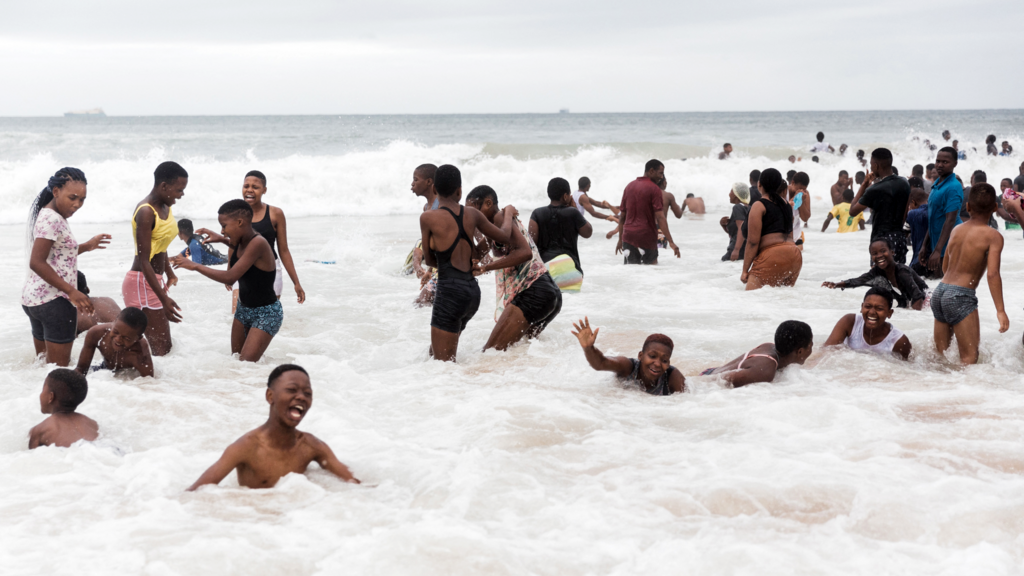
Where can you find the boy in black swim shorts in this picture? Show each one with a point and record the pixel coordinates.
(453, 226)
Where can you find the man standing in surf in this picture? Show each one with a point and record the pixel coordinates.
(153, 229)
(641, 214)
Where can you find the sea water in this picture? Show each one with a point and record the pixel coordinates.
(525, 461)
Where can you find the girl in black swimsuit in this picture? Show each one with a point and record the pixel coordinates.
(453, 225)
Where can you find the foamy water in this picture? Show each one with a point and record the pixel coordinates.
(523, 462)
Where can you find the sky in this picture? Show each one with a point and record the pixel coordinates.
(232, 57)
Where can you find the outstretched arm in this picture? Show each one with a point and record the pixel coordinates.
(258, 247)
(589, 207)
(841, 332)
(620, 365)
(328, 461)
(233, 457)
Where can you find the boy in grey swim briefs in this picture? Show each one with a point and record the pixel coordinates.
(973, 247)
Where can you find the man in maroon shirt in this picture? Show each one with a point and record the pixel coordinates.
(642, 214)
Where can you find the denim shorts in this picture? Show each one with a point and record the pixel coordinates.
(56, 321)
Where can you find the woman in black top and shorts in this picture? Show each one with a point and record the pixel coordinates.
(771, 258)
(447, 246)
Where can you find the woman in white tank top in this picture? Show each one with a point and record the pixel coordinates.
(868, 330)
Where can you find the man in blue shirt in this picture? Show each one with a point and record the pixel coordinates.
(943, 209)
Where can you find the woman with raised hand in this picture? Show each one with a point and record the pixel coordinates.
(50, 297)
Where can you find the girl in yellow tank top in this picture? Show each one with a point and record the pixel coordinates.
(164, 231)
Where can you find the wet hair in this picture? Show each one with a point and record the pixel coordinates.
(755, 175)
(584, 183)
(277, 372)
(81, 284)
(814, 158)
(134, 318)
(257, 174)
(848, 195)
(185, 227)
(447, 180)
(882, 155)
(68, 386)
(917, 170)
(979, 176)
(918, 195)
(915, 181)
(659, 339)
(801, 178)
(820, 136)
(948, 150)
(236, 207)
(58, 180)
(844, 173)
(886, 241)
(791, 336)
(772, 182)
(982, 198)
(885, 294)
(558, 188)
(428, 171)
(481, 193)
(652, 165)
(690, 195)
(168, 172)
(990, 139)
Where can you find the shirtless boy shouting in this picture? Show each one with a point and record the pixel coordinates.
(261, 457)
(121, 343)
(973, 247)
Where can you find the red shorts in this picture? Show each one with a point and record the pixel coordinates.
(137, 292)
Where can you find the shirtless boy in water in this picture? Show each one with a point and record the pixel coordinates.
(63, 391)
(651, 368)
(793, 344)
(261, 457)
(973, 246)
(121, 343)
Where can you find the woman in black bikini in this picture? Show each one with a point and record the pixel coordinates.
(452, 225)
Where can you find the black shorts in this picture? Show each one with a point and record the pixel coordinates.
(540, 303)
(632, 254)
(56, 321)
(455, 303)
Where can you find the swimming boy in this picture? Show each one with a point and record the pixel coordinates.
(651, 368)
(794, 342)
(527, 297)
(905, 285)
(63, 391)
(259, 314)
(453, 226)
(121, 343)
(973, 247)
(200, 252)
(869, 330)
(841, 212)
(262, 456)
(694, 203)
(153, 230)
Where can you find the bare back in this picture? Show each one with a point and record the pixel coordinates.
(968, 253)
(695, 205)
(63, 429)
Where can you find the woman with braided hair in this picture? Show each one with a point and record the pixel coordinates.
(50, 297)
(771, 258)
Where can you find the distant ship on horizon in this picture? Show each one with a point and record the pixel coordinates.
(96, 112)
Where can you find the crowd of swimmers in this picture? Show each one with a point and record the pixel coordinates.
(534, 264)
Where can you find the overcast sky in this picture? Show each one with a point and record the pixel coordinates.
(463, 56)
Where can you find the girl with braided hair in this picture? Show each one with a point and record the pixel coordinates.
(50, 297)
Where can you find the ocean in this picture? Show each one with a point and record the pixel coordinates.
(525, 461)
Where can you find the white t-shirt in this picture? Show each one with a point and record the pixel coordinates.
(63, 258)
(576, 199)
(820, 147)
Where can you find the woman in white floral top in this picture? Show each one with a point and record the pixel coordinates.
(527, 297)
(50, 297)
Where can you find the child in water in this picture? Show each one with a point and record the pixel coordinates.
(259, 314)
(262, 456)
(121, 343)
(63, 391)
(651, 368)
(869, 330)
(198, 251)
(973, 247)
(793, 344)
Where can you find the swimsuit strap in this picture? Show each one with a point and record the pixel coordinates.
(751, 355)
(462, 231)
(156, 215)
